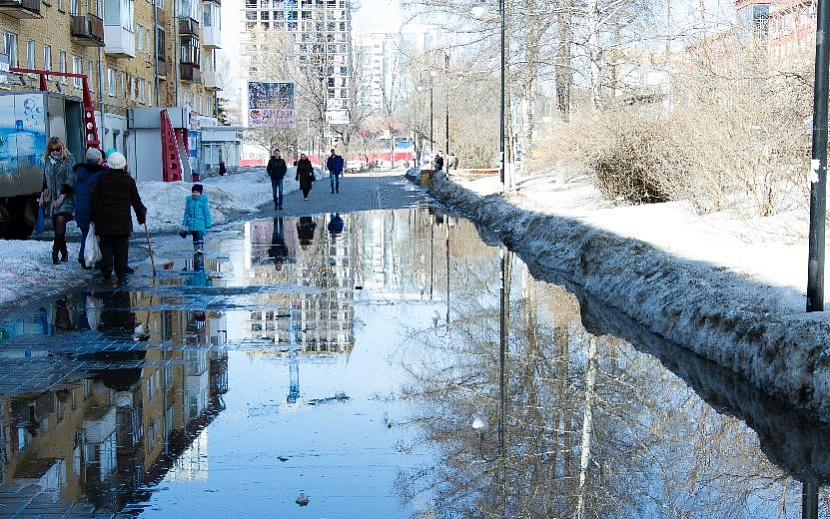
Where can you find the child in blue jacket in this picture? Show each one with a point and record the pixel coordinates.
(196, 219)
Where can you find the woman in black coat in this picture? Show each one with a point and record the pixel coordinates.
(305, 174)
(112, 197)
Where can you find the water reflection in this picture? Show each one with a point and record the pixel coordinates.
(390, 355)
(537, 416)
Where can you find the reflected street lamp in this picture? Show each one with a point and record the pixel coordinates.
(478, 11)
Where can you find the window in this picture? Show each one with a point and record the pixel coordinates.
(131, 83)
(141, 94)
(30, 54)
(10, 43)
(73, 7)
(160, 44)
(47, 58)
(122, 84)
(120, 12)
(139, 38)
(111, 81)
(62, 65)
(149, 94)
(77, 68)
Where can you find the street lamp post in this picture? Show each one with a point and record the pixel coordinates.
(447, 114)
(478, 11)
(421, 87)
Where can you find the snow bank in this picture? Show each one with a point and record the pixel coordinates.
(740, 322)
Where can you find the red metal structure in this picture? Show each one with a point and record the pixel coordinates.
(170, 160)
(90, 128)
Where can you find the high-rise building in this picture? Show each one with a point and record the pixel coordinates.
(386, 70)
(315, 36)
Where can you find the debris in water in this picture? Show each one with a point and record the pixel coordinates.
(302, 499)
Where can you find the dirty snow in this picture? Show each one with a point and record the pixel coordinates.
(731, 290)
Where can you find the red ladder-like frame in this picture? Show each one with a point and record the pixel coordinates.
(90, 127)
(170, 160)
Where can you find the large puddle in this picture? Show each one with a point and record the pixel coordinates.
(379, 364)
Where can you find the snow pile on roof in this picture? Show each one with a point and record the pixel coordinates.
(744, 312)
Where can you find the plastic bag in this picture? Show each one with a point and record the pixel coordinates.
(94, 306)
(92, 251)
(40, 225)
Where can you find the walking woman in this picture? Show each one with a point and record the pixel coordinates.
(305, 174)
(109, 209)
(57, 197)
(86, 175)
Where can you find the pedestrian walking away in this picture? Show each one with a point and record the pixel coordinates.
(438, 162)
(86, 175)
(276, 170)
(58, 195)
(196, 220)
(305, 175)
(334, 165)
(113, 195)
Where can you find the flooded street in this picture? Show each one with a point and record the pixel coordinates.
(376, 364)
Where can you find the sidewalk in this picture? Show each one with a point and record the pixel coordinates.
(727, 289)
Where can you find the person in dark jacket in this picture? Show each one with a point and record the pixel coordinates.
(305, 174)
(57, 197)
(334, 165)
(438, 162)
(109, 209)
(276, 170)
(86, 175)
(305, 231)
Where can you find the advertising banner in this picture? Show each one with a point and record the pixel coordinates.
(270, 104)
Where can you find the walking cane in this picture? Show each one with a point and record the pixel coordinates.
(150, 249)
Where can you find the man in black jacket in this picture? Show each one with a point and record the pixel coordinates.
(276, 170)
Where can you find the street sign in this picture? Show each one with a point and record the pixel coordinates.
(271, 104)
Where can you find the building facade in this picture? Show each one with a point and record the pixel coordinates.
(134, 54)
(315, 38)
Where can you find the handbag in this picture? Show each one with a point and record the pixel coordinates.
(40, 225)
(92, 250)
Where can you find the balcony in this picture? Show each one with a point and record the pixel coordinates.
(190, 73)
(211, 80)
(211, 37)
(88, 30)
(189, 26)
(21, 8)
(119, 42)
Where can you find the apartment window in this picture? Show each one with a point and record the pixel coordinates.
(62, 65)
(77, 68)
(131, 83)
(141, 94)
(60, 5)
(47, 58)
(10, 44)
(160, 44)
(73, 7)
(111, 81)
(149, 94)
(190, 50)
(30, 54)
(120, 12)
(139, 38)
(122, 84)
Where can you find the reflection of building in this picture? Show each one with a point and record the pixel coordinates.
(320, 319)
(89, 431)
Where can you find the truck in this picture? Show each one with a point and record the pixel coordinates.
(28, 119)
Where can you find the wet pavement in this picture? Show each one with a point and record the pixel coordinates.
(376, 364)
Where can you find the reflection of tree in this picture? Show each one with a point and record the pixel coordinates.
(592, 427)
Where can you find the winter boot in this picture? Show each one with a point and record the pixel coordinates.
(64, 253)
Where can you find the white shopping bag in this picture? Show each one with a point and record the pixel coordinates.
(92, 251)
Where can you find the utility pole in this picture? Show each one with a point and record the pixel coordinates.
(447, 116)
(818, 164)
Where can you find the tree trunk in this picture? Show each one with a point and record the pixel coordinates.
(594, 55)
(563, 70)
(587, 426)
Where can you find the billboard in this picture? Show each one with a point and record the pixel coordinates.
(270, 104)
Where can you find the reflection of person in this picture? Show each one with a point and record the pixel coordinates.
(335, 226)
(276, 170)
(109, 209)
(63, 321)
(278, 250)
(305, 174)
(86, 174)
(305, 230)
(196, 220)
(334, 165)
(57, 197)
